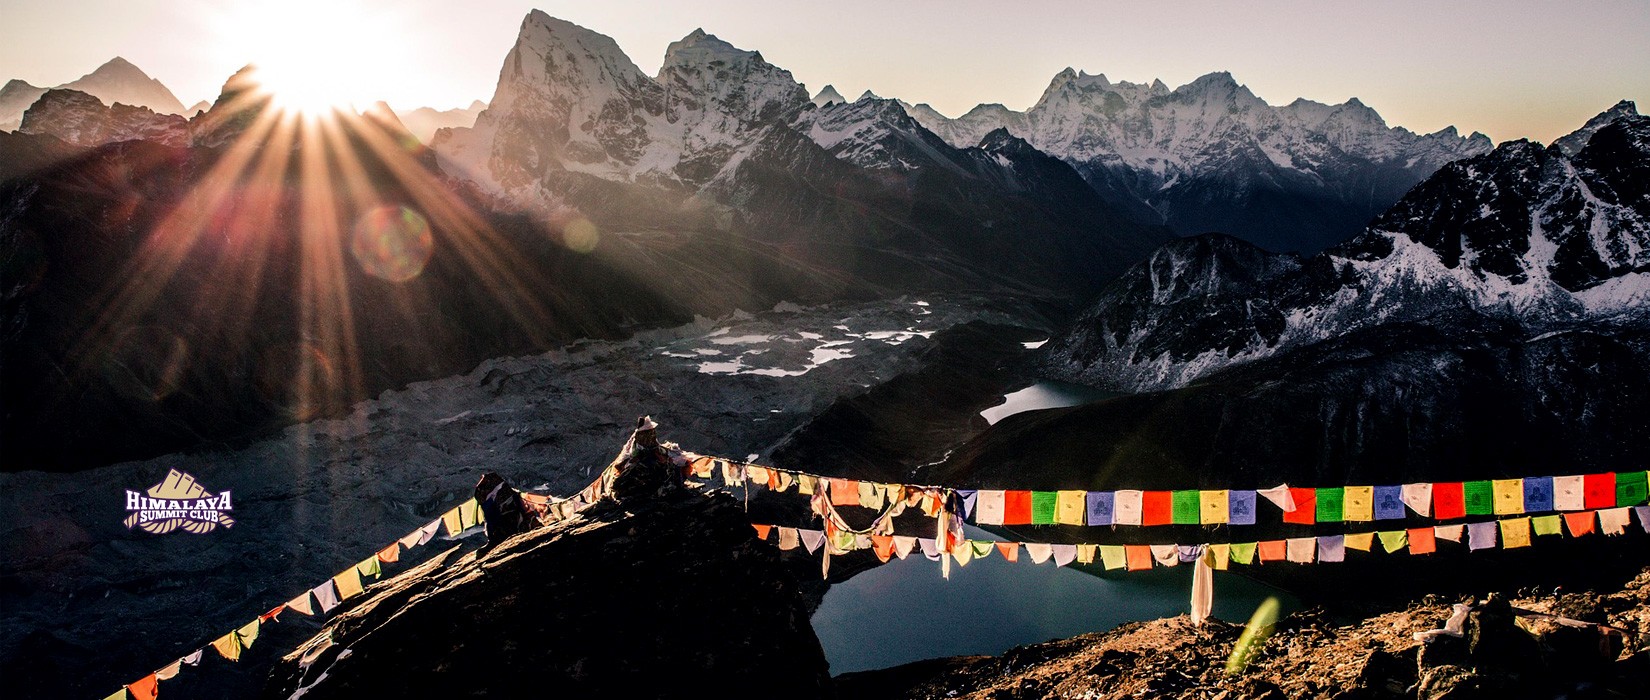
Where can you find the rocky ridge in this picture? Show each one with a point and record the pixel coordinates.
(115, 81)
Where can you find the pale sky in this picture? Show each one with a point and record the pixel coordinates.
(1509, 68)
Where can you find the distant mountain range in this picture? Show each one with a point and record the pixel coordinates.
(1211, 156)
(115, 81)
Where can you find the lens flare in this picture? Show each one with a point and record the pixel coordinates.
(581, 235)
(392, 243)
(1260, 626)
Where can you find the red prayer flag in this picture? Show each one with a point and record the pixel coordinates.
(1017, 508)
(1581, 523)
(1423, 540)
(1138, 557)
(1274, 550)
(1305, 512)
(1600, 490)
(144, 689)
(273, 613)
(1448, 501)
(1157, 508)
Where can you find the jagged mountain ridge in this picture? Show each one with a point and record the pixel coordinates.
(81, 119)
(1211, 156)
(720, 129)
(115, 81)
(423, 122)
(1523, 234)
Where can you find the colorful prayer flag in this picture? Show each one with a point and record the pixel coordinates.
(1222, 554)
(1547, 525)
(1362, 541)
(117, 695)
(989, 508)
(1569, 493)
(1631, 488)
(1306, 507)
(1614, 521)
(1272, 550)
(1580, 523)
(1086, 553)
(1480, 497)
(1419, 498)
(248, 633)
(1538, 494)
(1480, 535)
(1421, 540)
(762, 531)
(1281, 496)
(1157, 508)
(451, 520)
(348, 584)
(1389, 503)
(1184, 507)
(788, 539)
(1113, 557)
(1449, 532)
(1241, 507)
(1130, 507)
(1137, 557)
(1042, 507)
(390, 554)
(1215, 508)
(1064, 554)
(1600, 490)
(228, 646)
(1359, 504)
(171, 671)
(1017, 508)
(370, 567)
(1331, 548)
(1301, 549)
(1331, 504)
(1515, 532)
(1449, 501)
(1039, 552)
(301, 604)
(1243, 552)
(327, 595)
(1069, 507)
(1099, 505)
(1009, 550)
(1509, 496)
(1166, 554)
(144, 688)
(1393, 540)
(467, 514)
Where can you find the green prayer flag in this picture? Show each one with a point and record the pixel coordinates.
(1331, 502)
(981, 548)
(1113, 556)
(1243, 552)
(1631, 489)
(1393, 541)
(1480, 497)
(1042, 507)
(370, 567)
(1546, 524)
(1187, 507)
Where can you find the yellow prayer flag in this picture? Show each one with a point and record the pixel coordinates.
(1515, 532)
(248, 633)
(1069, 507)
(1213, 507)
(1113, 556)
(467, 514)
(1358, 505)
(1547, 525)
(348, 584)
(806, 484)
(450, 519)
(229, 646)
(1509, 496)
(117, 695)
(1222, 554)
(1363, 541)
(871, 494)
(1086, 552)
(785, 481)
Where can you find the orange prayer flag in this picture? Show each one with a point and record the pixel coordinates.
(1423, 540)
(1580, 523)
(883, 545)
(1273, 550)
(145, 688)
(273, 614)
(1009, 550)
(1138, 556)
(762, 531)
(390, 554)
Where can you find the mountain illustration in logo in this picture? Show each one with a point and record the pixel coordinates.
(178, 501)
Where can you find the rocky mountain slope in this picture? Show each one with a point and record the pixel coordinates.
(115, 81)
(1343, 651)
(80, 119)
(425, 121)
(610, 605)
(1211, 156)
(1525, 235)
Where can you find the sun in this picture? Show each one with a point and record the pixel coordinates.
(312, 56)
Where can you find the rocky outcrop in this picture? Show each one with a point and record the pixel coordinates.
(1211, 156)
(115, 81)
(81, 119)
(1339, 652)
(675, 599)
